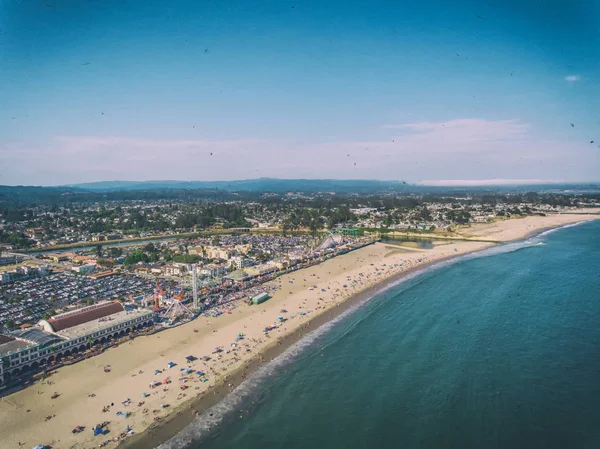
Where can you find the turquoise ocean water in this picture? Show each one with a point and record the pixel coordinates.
(497, 350)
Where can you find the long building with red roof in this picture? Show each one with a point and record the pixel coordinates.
(65, 335)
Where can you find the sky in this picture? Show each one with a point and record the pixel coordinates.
(420, 91)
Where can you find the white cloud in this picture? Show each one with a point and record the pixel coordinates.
(572, 78)
(460, 149)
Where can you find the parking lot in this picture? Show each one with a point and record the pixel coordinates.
(28, 301)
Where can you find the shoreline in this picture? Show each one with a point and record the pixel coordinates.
(365, 281)
(182, 416)
(177, 421)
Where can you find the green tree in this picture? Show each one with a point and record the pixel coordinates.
(115, 251)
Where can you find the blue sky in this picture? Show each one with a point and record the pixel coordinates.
(411, 90)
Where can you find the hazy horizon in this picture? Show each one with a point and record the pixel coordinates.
(467, 92)
(425, 183)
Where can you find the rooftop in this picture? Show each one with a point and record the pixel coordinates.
(95, 325)
(9, 344)
(37, 335)
(237, 275)
(80, 316)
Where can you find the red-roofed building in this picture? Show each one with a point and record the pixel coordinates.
(66, 335)
(84, 315)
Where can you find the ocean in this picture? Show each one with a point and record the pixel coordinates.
(500, 349)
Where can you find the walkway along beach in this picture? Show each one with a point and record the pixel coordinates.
(224, 350)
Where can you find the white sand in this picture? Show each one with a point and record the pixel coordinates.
(22, 415)
(518, 228)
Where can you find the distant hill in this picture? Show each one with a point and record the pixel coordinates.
(251, 190)
(253, 185)
(324, 185)
(31, 194)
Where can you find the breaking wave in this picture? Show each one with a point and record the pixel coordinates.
(570, 225)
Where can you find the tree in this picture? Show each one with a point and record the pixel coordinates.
(9, 324)
(99, 250)
(285, 226)
(186, 258)
(137, 256)
(115, 251)
(105, 263)
(425, 214)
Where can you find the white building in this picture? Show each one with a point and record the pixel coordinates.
(241, 262)
(84, 269)
(35, 348)
(212, 270)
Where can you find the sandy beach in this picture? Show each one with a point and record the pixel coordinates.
(31, 417)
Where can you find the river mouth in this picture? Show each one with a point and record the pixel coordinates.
(410, 242)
